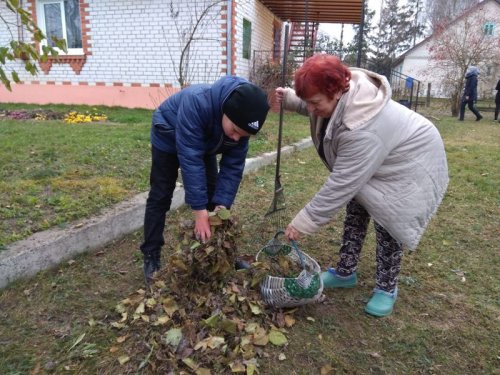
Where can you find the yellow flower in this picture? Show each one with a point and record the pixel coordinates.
(74, 117)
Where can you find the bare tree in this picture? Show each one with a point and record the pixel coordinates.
(18, 23)
(203, 13)
(456, 48)
(443, 11)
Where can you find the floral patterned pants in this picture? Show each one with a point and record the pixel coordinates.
(389, 250)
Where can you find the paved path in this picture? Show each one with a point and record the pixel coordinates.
(47, 249)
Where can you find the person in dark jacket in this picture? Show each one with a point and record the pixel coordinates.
(497, 100)
(469, 96)
(188, 130)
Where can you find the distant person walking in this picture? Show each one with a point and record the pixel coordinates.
(497, 100)
(469, 96)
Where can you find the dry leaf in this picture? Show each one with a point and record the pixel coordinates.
(210, 342)
(203, 371)
(190, 363)
(260, 337)
(140, 309)
(326, 370)
(164, 319)
(173, 337)
(121, 339)
(123, 359)
(289, 320)
(237, 367)
(277, 338)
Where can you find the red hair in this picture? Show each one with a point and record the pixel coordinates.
(322, 73)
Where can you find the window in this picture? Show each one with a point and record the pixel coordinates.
(489, 29)
(247, 38)
(61, 19)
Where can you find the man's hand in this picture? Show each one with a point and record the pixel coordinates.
(202, 226)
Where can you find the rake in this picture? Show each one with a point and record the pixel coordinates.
(276, 214)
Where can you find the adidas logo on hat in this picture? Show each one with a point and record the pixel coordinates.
(254, 125)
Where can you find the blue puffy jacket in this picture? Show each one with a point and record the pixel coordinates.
(189, 123)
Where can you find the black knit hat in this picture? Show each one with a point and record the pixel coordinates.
(247, 107)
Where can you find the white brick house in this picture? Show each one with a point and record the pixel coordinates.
(417, 62)
(127, 52)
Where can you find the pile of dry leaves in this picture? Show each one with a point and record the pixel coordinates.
(201, 316)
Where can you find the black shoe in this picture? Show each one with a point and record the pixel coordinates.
(479, 118)
(152, 264)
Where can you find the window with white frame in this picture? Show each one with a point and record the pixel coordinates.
(61, 19)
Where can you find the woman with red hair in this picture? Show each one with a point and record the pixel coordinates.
(385, 162)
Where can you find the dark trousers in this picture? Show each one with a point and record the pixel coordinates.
(472, 107)
(162, 179)
(497, 108)
(389, 250)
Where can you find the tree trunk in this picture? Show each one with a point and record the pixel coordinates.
(455, 105)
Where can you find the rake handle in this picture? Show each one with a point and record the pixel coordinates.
(277, 182)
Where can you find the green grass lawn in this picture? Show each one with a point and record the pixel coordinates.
(52, 172)
(445, 320)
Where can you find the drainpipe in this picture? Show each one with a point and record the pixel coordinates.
(229, 38)
(20, 29)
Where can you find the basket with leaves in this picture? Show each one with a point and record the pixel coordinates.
(293, 277)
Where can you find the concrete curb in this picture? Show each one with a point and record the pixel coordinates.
(47, 249)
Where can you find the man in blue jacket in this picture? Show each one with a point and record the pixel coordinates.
(188, 130)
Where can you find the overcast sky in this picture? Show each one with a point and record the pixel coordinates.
(334, 29)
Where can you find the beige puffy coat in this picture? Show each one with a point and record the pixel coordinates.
(386, 156)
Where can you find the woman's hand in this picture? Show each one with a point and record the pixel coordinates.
(202, 226)
(291, 233)
(279, 94)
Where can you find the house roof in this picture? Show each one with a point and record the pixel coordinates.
(327, 11)
(473, 8)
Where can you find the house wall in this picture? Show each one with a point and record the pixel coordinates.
(132, 49)
(262, 33)
(417, 63)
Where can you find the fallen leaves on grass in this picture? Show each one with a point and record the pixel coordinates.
(200, 315)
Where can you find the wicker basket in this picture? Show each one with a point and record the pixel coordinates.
(281, 292)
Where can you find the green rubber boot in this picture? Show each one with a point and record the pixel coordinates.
(332, 280)
(381, 303)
